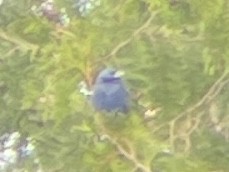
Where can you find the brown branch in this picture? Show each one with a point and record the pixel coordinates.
(187, 139)
(128, 40)
(215, 89)
(11, 51)
(196, 124)
(187, 144)
(218, 90)
(206, 97)
(128, 156)
(104, 135)
(171, 134)
(210, 95)
(23, 44)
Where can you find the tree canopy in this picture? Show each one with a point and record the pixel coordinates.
(175, 57)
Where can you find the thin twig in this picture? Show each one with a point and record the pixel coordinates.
(220, 87)
(196, 124)
(128, 40)
(171, 134)
(127, 155)
(187, 139)
(205, 97)
(11, 51)
(23, 44)
(209, 96)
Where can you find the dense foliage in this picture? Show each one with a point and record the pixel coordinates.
(175, 56)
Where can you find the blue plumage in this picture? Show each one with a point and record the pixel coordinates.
(109, 92)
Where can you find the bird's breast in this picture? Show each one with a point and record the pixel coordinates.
(110, 89)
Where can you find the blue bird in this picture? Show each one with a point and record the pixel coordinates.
(109, 92)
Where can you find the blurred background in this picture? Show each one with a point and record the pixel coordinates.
(175, 57)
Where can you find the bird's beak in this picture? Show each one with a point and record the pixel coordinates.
(119, 73)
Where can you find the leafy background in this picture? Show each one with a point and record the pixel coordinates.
(175, 56)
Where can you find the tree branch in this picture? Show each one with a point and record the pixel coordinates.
(128, 40)
(23, 44)
(215, 89)
(128, 156)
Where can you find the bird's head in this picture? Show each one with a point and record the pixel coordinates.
(109, 75)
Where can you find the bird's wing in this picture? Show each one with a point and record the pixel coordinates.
(98, 98)
(106, 90)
